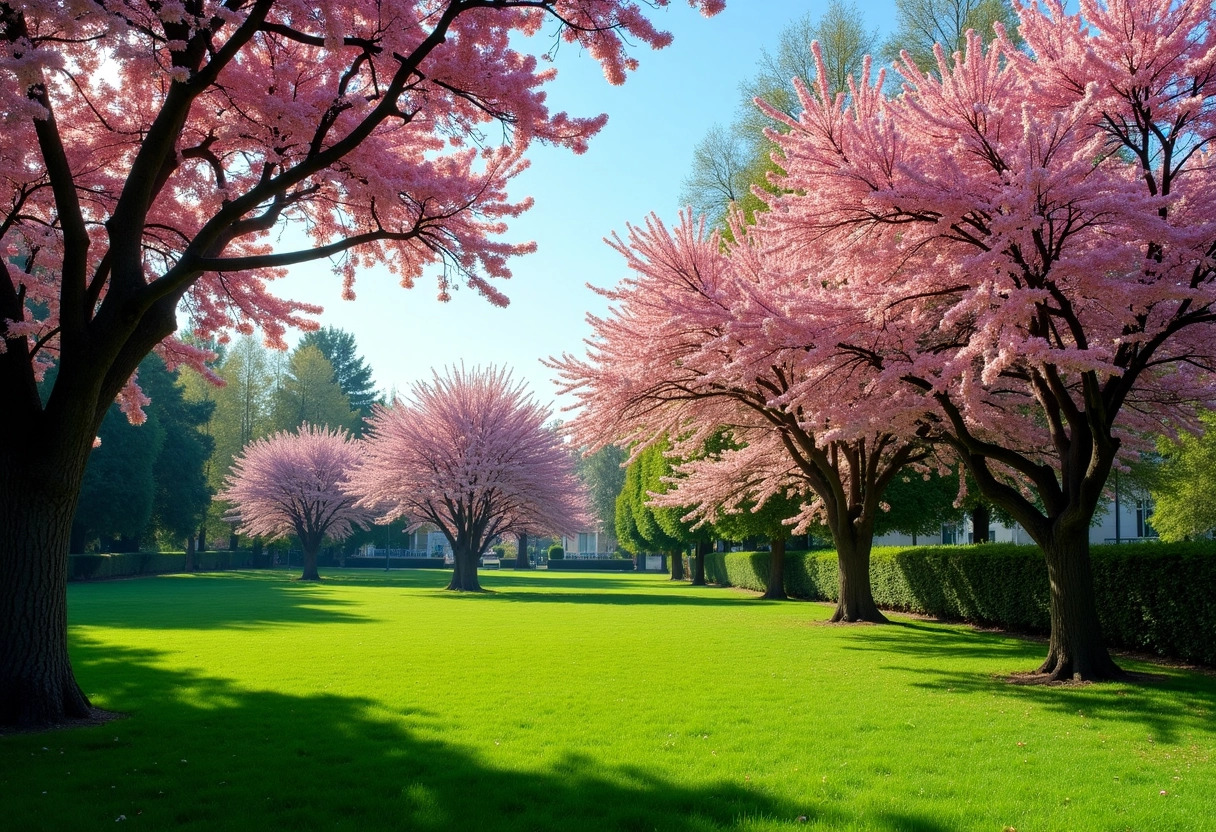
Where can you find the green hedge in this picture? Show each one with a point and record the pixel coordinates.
(1155, 597)
(96, 567)
(395, 563)
(121, 565)
(592, 565)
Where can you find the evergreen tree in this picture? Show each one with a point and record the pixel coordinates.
(637, 529)
(182, 495)
(149, 482)
(310, 393)
(352, 373)
(119, 487)
(656, 468)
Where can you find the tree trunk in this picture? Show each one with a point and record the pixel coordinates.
(37, 502)
(698, 562)
(1076, 650)
(310, 546)
(234, 541)
(980, 515)
(464, 571)
(202, 537)
(774, 590)
(677, 564)
(856, 601)
(521, 556)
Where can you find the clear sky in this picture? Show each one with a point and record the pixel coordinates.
(635, 165)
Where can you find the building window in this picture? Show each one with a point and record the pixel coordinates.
(586, 543)
(1144, 511)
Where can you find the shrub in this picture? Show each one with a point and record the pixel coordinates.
(556, 552)
(395, 563)
(1156, 597)
(592, 565)
(123, 565)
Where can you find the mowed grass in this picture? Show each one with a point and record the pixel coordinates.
(584, 702)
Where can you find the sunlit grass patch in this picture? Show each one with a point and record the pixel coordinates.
(560, 701)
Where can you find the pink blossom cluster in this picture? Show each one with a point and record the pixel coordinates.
(692, 345)
(470, 453)
(1013, 257)
(295, 483)
(154, 152)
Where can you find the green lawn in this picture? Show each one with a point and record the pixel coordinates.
(584, 702)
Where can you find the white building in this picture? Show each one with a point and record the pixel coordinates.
(589, 545)
(1125, 521)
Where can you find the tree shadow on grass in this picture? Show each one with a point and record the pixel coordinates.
(250, 600)
(1146, 699)
(571, 580)
(623, 598)
(491, 578)
(561, 590)
(951, 641)
(225, 758)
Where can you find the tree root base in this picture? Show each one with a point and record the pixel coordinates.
(873, 618)
(96, 716)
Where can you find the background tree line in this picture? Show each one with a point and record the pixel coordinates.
(151, 486)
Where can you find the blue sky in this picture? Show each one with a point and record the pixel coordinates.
(636, 165)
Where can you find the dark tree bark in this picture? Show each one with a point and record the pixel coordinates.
(38, 493)
(464, 571)
(1059, 524)
(202, 537)
(310, 546)
(698, 561)
(521, 556)
(980, 517)
(677, 564)
(856, 602)
(1076, 649)
(774, 590)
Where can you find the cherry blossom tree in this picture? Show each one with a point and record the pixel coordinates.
(1027, 238)
(686, 351)
(153, 152)
(470, 454)
(292, 483)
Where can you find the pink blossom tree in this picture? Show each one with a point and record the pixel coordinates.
(292, 483)
(1027, 240)
(470, 454)
(687, 351)
(153, 152)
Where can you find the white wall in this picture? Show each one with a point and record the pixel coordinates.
(1103, 532)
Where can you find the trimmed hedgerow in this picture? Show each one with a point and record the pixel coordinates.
(1156, 597)
(395, 563)
(123, 564)
(95, 567)
(591, 565)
